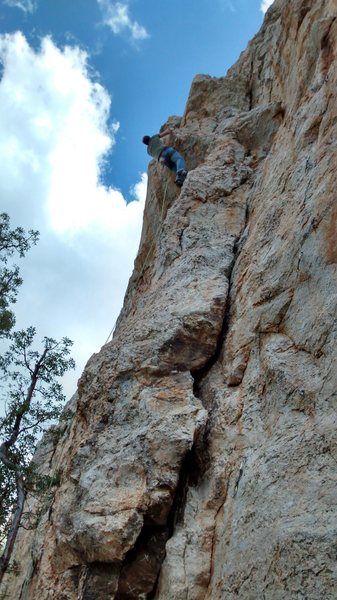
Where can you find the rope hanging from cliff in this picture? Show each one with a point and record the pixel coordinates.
(111, 333)
(145, 263)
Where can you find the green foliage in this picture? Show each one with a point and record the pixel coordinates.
(31, 388)
(33, 399)
(12, 241)
(32, 396)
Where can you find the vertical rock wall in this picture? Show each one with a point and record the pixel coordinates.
(201, 460)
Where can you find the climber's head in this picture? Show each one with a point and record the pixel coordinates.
(146, 140)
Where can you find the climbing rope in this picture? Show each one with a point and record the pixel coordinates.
(146, 263)
(111, 332)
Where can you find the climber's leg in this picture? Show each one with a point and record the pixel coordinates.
(175, 162)
(165, 158)
(180, 167)
(179, 162)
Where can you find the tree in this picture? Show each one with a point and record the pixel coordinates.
(31, 393)
(33, 399)
(12, 241)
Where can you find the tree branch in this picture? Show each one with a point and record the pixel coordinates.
(26, 404)
(21, 496)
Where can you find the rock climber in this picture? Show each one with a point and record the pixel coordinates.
(166, 155)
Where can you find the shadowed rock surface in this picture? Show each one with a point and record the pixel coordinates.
(201, 460)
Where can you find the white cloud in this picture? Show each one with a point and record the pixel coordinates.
(55, 139)
(25, 5)
(265, 4)
(116, 16)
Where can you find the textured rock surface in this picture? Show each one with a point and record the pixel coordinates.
(201, 460)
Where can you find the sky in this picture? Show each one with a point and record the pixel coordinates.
(81, 82)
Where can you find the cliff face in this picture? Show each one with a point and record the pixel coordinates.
(201, 460)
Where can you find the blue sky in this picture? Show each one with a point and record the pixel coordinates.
(81, 82)
(147, 72)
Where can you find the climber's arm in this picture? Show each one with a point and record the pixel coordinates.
(165, 132)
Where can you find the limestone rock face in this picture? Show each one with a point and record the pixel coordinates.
(201, 460)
